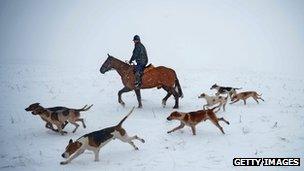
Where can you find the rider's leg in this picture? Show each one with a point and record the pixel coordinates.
(138, 74)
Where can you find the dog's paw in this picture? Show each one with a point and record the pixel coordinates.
(168, 132)
(63, 162)
(143, 141)
(63, 132)
(136, 148)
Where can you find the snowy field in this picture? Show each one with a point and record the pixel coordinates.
(51, 52)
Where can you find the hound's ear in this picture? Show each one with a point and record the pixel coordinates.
(108, 55)
(71, 141)
(36, 104)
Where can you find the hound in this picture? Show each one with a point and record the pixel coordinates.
(48, 124)
(193, 118)
(94, 141)
(58, 116)
(245, 95)
(224, 90)
(213, 100)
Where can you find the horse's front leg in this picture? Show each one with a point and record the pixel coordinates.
(137, 92)
(123, 90)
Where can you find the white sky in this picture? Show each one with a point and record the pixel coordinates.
(258, 35)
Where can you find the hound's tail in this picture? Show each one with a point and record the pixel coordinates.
(259, 94)
(179, 88)
(85, 108)
(213, 108)
(238, 88)
(120, 123)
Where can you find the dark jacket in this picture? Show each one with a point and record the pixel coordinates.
(140, 54)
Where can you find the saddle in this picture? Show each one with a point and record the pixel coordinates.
(147, 68)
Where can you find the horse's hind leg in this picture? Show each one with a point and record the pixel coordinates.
(137, 92)
(176, 96)
(123, 90)
(166, 97)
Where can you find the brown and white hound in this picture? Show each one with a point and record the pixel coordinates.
(94, 141)
(193, 118)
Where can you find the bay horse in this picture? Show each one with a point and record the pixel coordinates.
(160, 77)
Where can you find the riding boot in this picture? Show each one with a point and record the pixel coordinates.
(137, 80)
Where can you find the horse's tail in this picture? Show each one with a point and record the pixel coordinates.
(178, 88)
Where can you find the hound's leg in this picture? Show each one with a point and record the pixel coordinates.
(244, 101)
(256, 99)
(127, 139)
(137, 92)
(80, 151)
(193, 130)
(81, 120)
(235, 101)
(63, 125)
(215, 122)
(120, 92)
(219, 108)
(224, 120)
(96, 153)
(177, 128)
(76, 126)
(48, 125)
(59, 127)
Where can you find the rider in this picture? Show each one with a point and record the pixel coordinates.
(141, 58)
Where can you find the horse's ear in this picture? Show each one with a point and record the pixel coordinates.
(108, 55)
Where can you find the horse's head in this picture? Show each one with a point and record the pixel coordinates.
(107, 65)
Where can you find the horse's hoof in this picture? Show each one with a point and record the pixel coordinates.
(140, 106)
(164, 104)
(123, 104)
(175, 107)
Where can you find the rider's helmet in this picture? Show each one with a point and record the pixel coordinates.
(136, 37)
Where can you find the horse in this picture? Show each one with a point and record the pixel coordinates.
(160, 77)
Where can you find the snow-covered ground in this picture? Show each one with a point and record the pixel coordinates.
(27, 145)
(51, 53)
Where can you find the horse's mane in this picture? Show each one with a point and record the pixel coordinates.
(120, 61)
